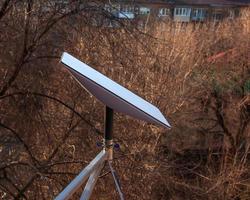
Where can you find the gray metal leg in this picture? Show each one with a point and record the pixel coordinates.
(91, 183)
(82, 177)
(116, 181)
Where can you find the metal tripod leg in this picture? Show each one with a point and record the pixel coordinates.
(117, 184)
(91, 183)
(80, 179)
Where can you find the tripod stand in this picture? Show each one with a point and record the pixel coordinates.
(93, 170)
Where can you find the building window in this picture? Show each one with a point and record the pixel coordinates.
(217, 16)
(127, 12)
(182, 11)
(127, 9)
(112, 8)
(136, 9)
(164, 12)
(144, 11)
(177, 11)
(198, 13)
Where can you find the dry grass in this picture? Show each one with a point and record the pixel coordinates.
(197, 74)
(194, 73)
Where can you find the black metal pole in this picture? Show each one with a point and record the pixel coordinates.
(108, 123)
(108, 137)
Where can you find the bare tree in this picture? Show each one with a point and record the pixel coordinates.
(49, 125)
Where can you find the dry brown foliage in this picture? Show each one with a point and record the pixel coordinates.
(198, 75)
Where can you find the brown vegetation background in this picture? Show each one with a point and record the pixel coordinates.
(197, 74)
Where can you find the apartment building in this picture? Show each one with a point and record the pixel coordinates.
(177, 10)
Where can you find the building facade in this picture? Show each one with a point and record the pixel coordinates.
(177, 10)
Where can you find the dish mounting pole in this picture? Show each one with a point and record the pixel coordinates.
(108, 135)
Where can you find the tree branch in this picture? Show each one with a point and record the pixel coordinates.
(22, 191)
(21, 140)
(23, 58)
(4, 8)
(58, 101)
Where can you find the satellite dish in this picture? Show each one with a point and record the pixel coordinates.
(111, 93)
(114, 97)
